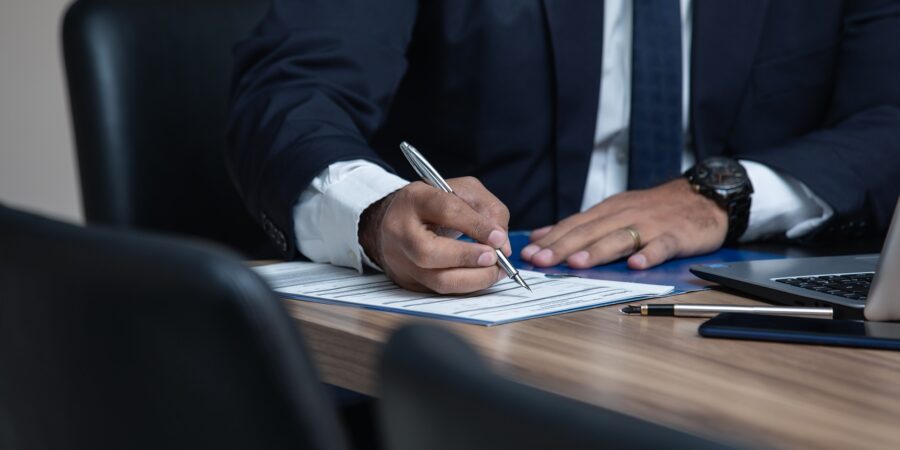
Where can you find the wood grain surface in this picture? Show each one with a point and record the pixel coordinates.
(656, 368)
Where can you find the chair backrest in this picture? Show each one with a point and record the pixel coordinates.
(437, 394)
(148, 87)
(112, 340)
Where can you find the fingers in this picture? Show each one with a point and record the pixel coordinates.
(451, 211)
(547, 236)
(611, 247)
(414, 248)
(429, 251)
(615, 243)
(615, 205)
(481, 200)
(540, 232)
(582, 237)
(470, 190)
(657, 251)
(672, 219)
(460, 280)
(555, 233)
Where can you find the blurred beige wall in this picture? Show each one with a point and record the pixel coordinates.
(37, 159)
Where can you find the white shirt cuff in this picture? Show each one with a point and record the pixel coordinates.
(326, 216)
(781, 205)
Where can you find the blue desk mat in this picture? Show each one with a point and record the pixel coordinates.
(671, 273)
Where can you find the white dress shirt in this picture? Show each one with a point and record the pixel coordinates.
(327, 214)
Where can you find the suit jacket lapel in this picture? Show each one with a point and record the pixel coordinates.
(576, 35)
(725, 36)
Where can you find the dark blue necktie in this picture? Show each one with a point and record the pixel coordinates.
(656, 140)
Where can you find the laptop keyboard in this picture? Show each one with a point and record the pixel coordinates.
(854, 286)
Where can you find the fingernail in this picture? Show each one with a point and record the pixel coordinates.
(486, 259)
(497, 238)
(579, 259)
(639, 260)
(543, 257)
(529, 251)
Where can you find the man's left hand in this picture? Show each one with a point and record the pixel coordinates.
(668, 221)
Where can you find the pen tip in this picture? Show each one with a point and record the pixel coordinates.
(518, 279)
(631, 309)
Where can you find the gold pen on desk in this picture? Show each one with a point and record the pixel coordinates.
(686, 310)
(428, 174)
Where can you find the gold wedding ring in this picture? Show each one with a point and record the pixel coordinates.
(636, 237)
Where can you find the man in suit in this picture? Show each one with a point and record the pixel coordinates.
(574, 119)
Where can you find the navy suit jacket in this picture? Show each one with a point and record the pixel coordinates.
(506, 91)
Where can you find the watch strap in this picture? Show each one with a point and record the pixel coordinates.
(738, 218)
(737, 205)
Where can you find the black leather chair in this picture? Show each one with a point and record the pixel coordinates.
(148, 86)
(109, 340)
(436, 394)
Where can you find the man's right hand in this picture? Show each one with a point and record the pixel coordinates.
(412, 234)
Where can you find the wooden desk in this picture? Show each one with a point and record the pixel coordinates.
(656, 368)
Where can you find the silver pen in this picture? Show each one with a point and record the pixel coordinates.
(432, 177)
(686, 310)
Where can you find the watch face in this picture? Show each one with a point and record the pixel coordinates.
(721, 173)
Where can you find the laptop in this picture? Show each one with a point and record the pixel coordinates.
(856, 286)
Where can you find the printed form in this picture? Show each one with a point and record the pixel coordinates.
(504, 302)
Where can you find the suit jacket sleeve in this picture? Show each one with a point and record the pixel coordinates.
(853, 162)
(311, 86)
